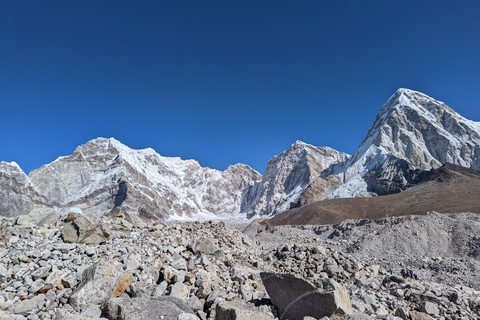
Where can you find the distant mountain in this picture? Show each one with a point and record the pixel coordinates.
(106, 177)
(448, 189)
(287, 176)
(411, 135)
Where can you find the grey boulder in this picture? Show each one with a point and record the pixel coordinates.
(166, 308)
(230, 310)
(80, 229)
(38, 217)
(98, 284)
(295, 298)
(30, 305)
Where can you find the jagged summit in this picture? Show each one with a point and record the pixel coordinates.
(417, 101)
(12, 163)
(299, 144)
(287, 176)
(412, 132)
(416, 124)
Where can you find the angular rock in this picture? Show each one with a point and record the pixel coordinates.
(160, 289)
(122, 285)
(131, 263)
(80, 229)
(69, 233)
(296, 298)
(166, 308)
(430, 308)
(195, 303)
(204, 245)
(44, 289)
(98, 284)
(41, 273)
(30, 305)
(38, 217)
(230, 310)
(180, 291)
(187, 316)
(414, 315)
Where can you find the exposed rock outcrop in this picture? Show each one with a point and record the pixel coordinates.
(82, 230)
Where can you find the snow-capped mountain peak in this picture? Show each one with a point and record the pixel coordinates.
(412, 131)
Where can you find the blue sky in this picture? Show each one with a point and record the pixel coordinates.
(223, 82)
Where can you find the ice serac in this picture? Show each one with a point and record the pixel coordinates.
(287, 176)
(413, 133)
(106, 177)
(18, 195)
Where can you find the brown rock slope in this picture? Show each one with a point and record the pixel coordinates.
(448, 189)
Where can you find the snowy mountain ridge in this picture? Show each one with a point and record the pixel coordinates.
(106, 176)
(411, 135)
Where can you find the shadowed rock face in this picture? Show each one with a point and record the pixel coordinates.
(121, 194)
(394, 176)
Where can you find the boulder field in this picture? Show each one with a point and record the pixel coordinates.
(69, 267)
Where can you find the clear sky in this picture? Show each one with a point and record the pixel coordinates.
(223, 82)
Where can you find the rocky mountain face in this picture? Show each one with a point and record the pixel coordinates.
(287, 176)
(18, 194)
(106, 177)
(412, 133)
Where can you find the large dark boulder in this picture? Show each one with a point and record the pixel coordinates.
(296, 298)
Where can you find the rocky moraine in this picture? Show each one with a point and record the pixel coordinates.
(70, 267)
